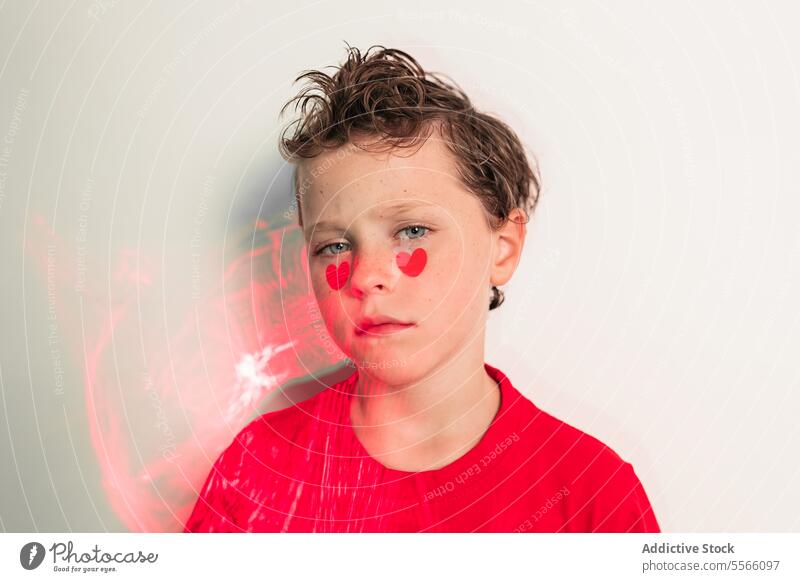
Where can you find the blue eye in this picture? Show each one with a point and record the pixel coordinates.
(416, 227)
(336, 244)
(415, 231)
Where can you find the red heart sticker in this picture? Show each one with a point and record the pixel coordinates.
(337, 276)
(412, 264)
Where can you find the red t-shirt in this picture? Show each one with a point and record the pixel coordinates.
(303, 469)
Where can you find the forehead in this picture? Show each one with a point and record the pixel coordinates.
(340, 181)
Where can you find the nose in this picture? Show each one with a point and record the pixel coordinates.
(373, 271)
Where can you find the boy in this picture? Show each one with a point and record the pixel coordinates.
(414, 209)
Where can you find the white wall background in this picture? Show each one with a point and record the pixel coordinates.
(656, 304)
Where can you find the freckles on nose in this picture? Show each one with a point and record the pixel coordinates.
(412, 264)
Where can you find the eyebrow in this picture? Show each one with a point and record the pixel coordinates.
(324, 225)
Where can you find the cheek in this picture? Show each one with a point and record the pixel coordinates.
(330, 307)
(337, 275)
(412, 264)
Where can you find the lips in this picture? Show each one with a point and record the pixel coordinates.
(381, 325)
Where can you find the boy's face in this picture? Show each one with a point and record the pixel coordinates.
(427, 263)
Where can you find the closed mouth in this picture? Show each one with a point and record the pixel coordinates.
(382, 329)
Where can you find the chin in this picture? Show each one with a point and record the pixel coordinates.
(387, 370)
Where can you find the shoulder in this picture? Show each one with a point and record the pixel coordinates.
(556, 441)
(254, 461)
(605, 492)
(273, 431)
(602, 491)
(547, 436)
(561, 438)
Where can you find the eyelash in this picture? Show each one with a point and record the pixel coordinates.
(427, 229)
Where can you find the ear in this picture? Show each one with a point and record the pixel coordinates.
(508, 243)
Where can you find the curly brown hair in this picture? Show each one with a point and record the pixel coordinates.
(385, 93)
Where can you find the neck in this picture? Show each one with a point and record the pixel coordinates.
(428, 423)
